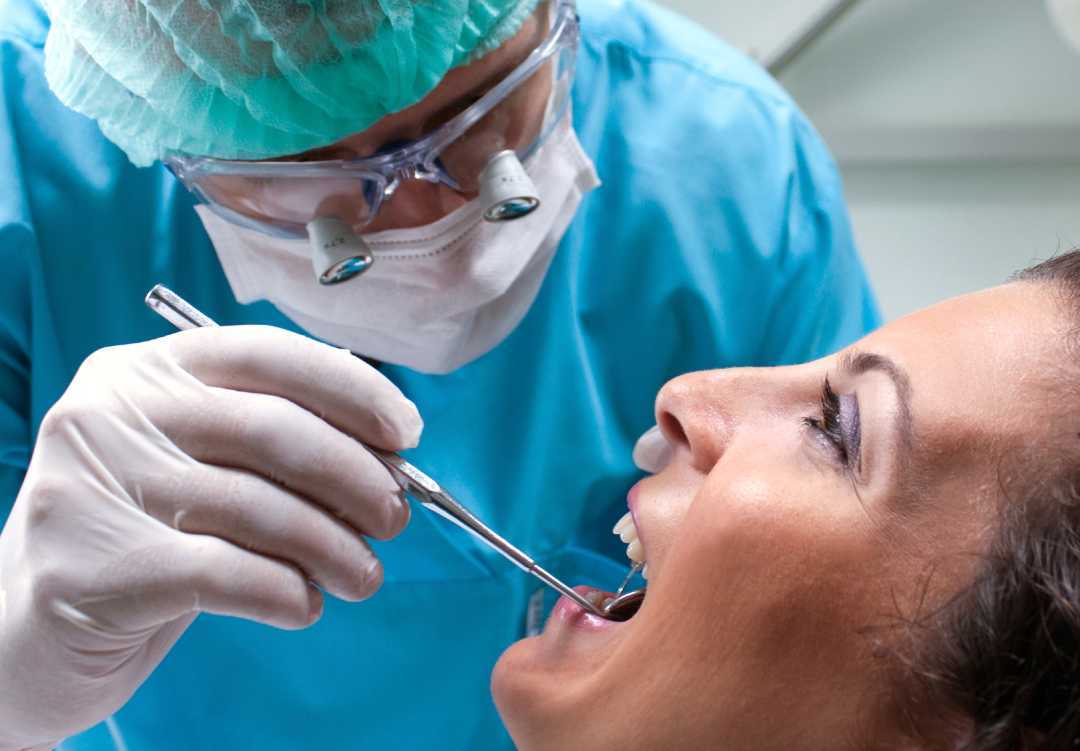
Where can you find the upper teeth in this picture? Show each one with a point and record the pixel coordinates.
(627, 532)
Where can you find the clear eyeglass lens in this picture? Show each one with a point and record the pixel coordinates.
(515, 123)
(293, 201)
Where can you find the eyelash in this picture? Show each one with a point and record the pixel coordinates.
(828, 425)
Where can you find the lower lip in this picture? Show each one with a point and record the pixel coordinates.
(569, 612)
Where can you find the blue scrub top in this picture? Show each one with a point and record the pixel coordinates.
(719, 238)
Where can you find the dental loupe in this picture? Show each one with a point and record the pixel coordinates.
(506, 190)
(339, 254)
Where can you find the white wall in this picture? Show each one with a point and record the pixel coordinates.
(956, 124)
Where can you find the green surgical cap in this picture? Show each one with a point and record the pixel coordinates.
(254, 79)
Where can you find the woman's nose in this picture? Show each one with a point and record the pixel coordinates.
(695, 412)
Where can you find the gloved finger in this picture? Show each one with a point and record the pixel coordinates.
(280, 441)
(652, 452)
(229, 581)
(202, 573)
(327, 381)
(261, 516)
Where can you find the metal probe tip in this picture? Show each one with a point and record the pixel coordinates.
(175, 309)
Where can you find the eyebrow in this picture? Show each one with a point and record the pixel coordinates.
(855, 362)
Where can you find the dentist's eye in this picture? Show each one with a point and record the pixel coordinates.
(838, 424)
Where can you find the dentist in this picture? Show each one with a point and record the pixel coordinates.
(417, 182)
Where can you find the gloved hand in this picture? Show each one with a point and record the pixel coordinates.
(214, 470)
(652, 452)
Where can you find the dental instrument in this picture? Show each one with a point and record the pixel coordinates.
(411, 480)
(633, 570)
(622, 607)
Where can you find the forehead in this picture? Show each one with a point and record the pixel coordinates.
(484, 73)
(985, 368)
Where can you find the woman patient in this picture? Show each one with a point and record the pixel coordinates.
(879, 549)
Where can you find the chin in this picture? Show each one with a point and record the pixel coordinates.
(523, 695)
(549, 688)
(559, 690)
(510, 687)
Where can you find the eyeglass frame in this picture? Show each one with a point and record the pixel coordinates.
(416, 160)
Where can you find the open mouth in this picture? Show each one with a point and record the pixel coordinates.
(622, 606)
(627, 531)
(619, 608)
(626, 606)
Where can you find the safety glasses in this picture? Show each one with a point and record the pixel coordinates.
(467, 154)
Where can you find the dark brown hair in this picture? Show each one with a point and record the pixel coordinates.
(1000, 663)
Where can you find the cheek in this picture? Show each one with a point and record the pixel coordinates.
(661, 502)
(772, 564)
(782, 529)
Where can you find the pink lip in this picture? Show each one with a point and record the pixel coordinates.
(632, 502)
(569, 612)
(572, 614)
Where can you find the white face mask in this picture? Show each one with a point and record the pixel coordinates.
(438, 296)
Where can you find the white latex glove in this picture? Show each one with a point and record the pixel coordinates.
(652, 452)
(213, 470)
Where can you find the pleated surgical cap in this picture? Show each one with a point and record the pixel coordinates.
(253, 79)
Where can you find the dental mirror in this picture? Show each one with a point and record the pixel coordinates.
(623, 607)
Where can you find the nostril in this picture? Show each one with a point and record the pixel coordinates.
(673, 429)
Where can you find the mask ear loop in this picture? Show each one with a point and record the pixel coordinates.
(337, 253)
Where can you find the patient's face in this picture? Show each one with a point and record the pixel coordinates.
(783, 543)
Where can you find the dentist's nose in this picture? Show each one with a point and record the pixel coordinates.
(415, 203)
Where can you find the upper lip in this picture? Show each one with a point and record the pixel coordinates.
(632, 502)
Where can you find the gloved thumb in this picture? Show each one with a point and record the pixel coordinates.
(652, 452)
